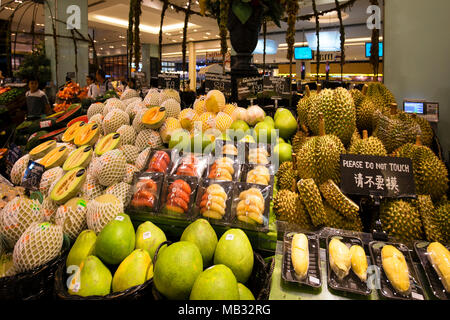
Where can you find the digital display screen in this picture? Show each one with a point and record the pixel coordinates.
(369, 47)
(413, 107)
(303, 53)
(271, 47)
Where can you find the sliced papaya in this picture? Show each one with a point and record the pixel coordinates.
(68, 186)
(87, 135)
(55, 158)
(78, 119)
(42, 149)
(154, 117)
(79, 158)
(107, 143)
(71, 132)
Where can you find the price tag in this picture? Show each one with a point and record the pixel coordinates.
(388, 177)
(314, 280)
(14, 154)
(416, 296)
(279, 86)
(229, 237)
(147, 235)
(218, 82)
(32, 177)
(45, 124)
(119, 218)
(249, 87)
(169, 81)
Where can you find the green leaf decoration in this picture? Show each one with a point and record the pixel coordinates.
(242, 10)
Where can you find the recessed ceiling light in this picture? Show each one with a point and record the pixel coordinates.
(208, 33)
(173, 40)
(205, 37)
(195, 30)
(111, 47)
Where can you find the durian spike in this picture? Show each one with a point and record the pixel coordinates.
(321, 125)
(365, 135)
(364, 89)
(304, 128)
(394, 109)
(418, 140)
(319, 88)
(294, 161)
(307, 91)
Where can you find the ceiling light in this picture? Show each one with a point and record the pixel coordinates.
(111, 47)
(173, 40)
(205, 37)
(195, 30)
(208, 33)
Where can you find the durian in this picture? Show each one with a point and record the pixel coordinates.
(368, 146)
(401, 219)
(299, 140)
(311, 198)
(286, 176)
(334, 219)
(300, 255)
(288, 207)
(359, 262)
(431, 222)
(339, 257)
(396, 269)
(333, 195)
(439, 257)
(426, 131)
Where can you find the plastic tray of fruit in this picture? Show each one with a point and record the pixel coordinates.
(231, 150)
(146, 192)
(258, 153)
(178, 197)
(313, 277)
(190, 165)
(251, 206)
(160, 161)
(258, 173)
(433, 278)
(385, 286)
(223, 169)
(351, 282)
(214, 201)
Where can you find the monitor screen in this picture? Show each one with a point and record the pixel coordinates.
(329, 41)
(369, 47)
(413, 107)
(271, 47)
(303, 53)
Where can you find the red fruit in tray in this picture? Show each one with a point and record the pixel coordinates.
(147, 184)
(174, 209)
(178, 202)
(158, 167)
(186, 171)
(143, 199)
(179, 193)
(181, 184)
(159, 162)
(161, 156)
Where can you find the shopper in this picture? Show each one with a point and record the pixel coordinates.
(93, 89)
(103, 83)
(37, 101)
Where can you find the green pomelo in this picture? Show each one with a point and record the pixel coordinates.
(264, 132)
(269, 120)
(235, 251)
(284, 151)
(215, 283)
(279, 112)
(204, 237)
(245, 293)
(94, 279)
(286, 124)
(176, 269)
(238, 129)
(116, 241)
(180, 139)
(133, 271)
(149, 237)
(83, 247)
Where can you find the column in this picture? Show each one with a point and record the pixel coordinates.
(76, 13)
(192, 65)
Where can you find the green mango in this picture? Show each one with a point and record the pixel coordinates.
(149, 237)
(84, 246)
(133, 271)
(93, 279)
(116, 241)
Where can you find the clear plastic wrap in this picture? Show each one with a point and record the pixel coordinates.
(258, 174)
(190, 165)
(160, 161)
(223, 169)
(146, 193)
(178, 197)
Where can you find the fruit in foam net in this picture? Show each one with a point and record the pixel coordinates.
(128, 134)
(107, 143)
(148, 138)
(188, 166)
(91, 188)
(128, 94)
(130, 152)
(134, 270)
(200, 105)
(87, 135)
(187, 118)
(46, 236)
(154, 117)
(223, 121)
(79, 158)
(102, 210)
(41, 150)
(258, 156)
(18, 169)
(167, 94)
(300, 255)
(215, 283)
(255, 114)
(114, 120)
(94, 279)
(396, 269)
(222, 169)
(69, 185)
(146, 194)
(122, 191)
(172, 108)
(152, 97)
(48, 178)
(72, 217)
(55, 158)
(439, 257)
(159, 162)
(142, 158)
(178, 197)
(95, 108)
(204, 237)
(250, 208)
(213, 202)
(129, 175)
(259, 175)
(215, 101)
(229, 109)
(111, 168)
(83, 247)
(71, 132)
(340, 258)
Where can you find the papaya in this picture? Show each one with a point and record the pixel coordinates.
(82, 248)
(154, 117)
(149, 237)
(87, 135)
(204, 237)
(71, 132)
(133, 271)
(42, 149)
(93, 278)
(116, 240)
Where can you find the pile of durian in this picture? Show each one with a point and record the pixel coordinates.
(366, 122)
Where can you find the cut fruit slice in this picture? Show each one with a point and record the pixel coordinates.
(174, 209)
(212, 215)
(107, 143)
(87, 135)
(68, 186)
(71, 132)
(42, 149)
(79, 158)
(69, 115)
(52, 134)
(84, 119)
(154, 117)
(55, 158)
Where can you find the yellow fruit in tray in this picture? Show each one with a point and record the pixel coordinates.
(300, 255)
(251, 207)
(213, 202)
(259, 175)
(230, 150)
(340, 258)
(439, 257)
(359, 262)
(395, 268)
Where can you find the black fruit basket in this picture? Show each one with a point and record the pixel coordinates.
(258, 283)
(35, 284)
(134, 293)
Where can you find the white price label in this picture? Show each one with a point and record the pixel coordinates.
(119, 218)
(147, 235)
(416, 296)
(45, 124)
(314, 280)
(229, 237)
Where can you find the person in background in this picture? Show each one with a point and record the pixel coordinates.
(37, 101)
(103, 83)
(93, 89)
(131, 84)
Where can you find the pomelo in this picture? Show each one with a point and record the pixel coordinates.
(269, 120)
(286, 124)
(181, 139)
(149, 237)
(238, 129)
(204, 237)
(284, 151)
(279, 112)
(264, 132)
(245, 293)
(176, 270)
(235, 251)
(215, 283)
